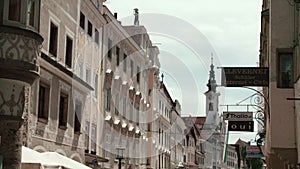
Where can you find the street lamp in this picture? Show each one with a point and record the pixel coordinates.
(120, 155)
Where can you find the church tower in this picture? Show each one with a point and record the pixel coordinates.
(212, 98)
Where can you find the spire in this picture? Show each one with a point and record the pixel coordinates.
(212, 79)
(136, 17)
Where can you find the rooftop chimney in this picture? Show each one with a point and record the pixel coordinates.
(116, 15)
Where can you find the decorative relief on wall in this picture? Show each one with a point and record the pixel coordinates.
(12, 98)
(18, 47)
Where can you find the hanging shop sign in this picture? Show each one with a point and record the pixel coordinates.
(241, 126)
(254, 152)
(245, 76)
(238, 116)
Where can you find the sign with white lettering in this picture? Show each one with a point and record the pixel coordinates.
(241, 126)
(238, 116)
(245, 76)
(254, 152)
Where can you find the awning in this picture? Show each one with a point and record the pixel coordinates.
(49, 159)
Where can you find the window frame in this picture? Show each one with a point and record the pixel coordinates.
(56, 40)
(90, 28)
(46, 103)
(77, 117)
(63, 116)
(124, 62)
(82, 22)
(68, 51)
(280, 81)
(23, 15)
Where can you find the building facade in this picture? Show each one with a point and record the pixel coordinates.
(279, 51)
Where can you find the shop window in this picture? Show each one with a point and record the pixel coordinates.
(285, 70)
(69, 51)
(63, 110)
(43, 104)
(53, 39)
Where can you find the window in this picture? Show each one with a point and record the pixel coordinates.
(131, 112)
(94, 139)
(131, 68)
(109, 48)
(117, 104)
(210, 107)
(96, 36)
(31, 12)
(138, 74)
(124, 63)
(285, 71)
(107, 144)
(82, 20)
(137, 116)
(14, 11)
(77, 119)
(90, 29)
(88, 76)
(124, 107)
(87, 134)
(80, 69)
(63, 109)
(43, 106)
(96, 86)
(53, 39)
(118, 56)
(69, 51)
(108, 98)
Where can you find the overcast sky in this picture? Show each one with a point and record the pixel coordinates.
(188, 33)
